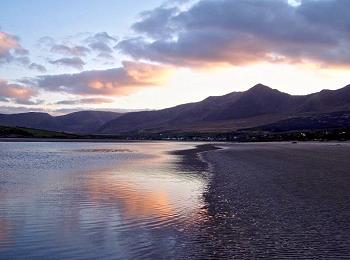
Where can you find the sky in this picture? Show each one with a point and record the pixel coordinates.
(63, 56)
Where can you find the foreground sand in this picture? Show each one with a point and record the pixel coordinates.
(277, 200)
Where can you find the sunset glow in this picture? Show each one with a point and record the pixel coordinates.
(174, 129)
(169, 53)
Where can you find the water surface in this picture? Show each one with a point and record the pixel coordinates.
(96, 200)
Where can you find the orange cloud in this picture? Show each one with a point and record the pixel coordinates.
(129, 78)
(148, 74)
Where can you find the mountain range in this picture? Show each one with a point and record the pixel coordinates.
(259, 108)
(83, 122)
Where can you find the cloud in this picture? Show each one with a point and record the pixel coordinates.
(74, 62)
(156, 23)
(243, 32)
(101, 47)
(102, 43)
(102, 37)
(11, 50)
(16, 93)
(79, 45)
(60, 111)
(19, 109)
(77, 51)
(117, 82)
(38, 67)
(45, 41)
(63, 111)
(92, 100)
(106, 56)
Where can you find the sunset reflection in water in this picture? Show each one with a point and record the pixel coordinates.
(125, 200)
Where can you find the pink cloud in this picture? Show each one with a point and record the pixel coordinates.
(11, 49)
(16, 93)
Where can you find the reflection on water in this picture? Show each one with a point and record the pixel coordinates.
(104, 150)
(132, 198)
(4, 232)
(85, 200)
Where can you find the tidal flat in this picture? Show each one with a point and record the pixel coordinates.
(278, 200)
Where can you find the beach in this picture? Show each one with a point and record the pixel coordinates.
(277, 200)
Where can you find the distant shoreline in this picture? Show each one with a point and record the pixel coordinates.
(197, 149)
(68, 140)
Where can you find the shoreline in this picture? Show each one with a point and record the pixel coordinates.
(191, 160)
(82, 140)
(197, 149)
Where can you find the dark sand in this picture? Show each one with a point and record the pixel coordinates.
(275, 201)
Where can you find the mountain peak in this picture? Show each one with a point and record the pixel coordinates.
(260, 87)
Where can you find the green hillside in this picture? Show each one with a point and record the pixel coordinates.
(22, 132)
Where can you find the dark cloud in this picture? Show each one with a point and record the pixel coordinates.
(92, 100)
(20, 94)
(333, 15)
(155, 23)
(76, 51)
(118, 82)
(74, 62)
(244, 31)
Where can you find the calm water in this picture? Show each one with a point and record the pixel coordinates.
(96, 200)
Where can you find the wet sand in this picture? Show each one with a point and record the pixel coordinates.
(275, 201)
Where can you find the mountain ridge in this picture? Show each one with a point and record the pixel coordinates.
(84, 122)
(258, 106)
